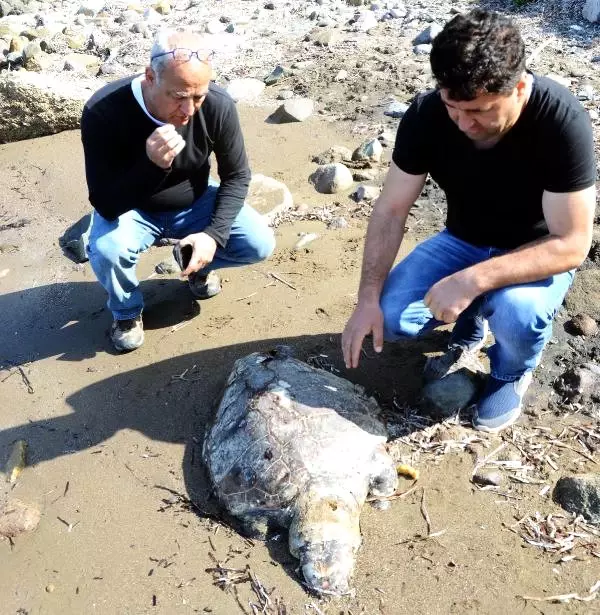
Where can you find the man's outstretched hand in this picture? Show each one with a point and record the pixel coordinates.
(203, 251)
(451, 296)
(367, 318)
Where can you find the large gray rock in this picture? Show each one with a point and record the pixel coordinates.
(331, 178)
(580, 495)
(294, 110)
(34, 105)
(269, 197)
(427, 35)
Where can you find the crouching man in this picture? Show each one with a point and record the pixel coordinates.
(513, 152)
(147, 141)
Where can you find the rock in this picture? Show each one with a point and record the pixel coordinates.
(276, 74)
(230, 28)
(591, 11)
(594, 115)
(370, 150)
(586, 92)
(214, 26)
(76, 41)
(337, 153)
(9, 30)
(285, 95)
(487, 478)
(427, 35)
(245, 89)
(584, 294)
(396, 109)
(141, 27)
(17, 44)
(82, 63)
(582, 324)
(562, 80)
(324, 36)
(366, 193)
(38, 62)
(580, 495)
(331, 178)
(16, 518)
(341, 76)
(338, 223)
(364, 21)
(580, 384)
(422, 50)
(447, 396)
(269, 197)
(162, 7)
(357, 2)
(270, 6)
(34, 105)
(398, 13)
(112, 68)
(294, 110)
(90, 8)
(13, 60)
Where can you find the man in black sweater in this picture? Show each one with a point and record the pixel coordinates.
(147, 142)
(514, 153)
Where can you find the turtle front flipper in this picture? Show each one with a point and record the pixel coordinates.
(325, 536)
(383, 481)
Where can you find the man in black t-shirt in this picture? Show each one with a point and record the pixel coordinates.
(514, 153)
(147, 142)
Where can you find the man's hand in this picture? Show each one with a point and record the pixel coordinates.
(449, 297)
(367, 318)
(163, 145)
(204, 247)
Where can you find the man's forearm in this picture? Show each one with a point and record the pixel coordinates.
(384, 236)
(532, 262)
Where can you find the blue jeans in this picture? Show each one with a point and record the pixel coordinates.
(520, 316)
(115, 246)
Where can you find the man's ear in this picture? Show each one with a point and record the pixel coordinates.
(150, 75)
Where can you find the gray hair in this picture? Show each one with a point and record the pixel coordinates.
(161, 45)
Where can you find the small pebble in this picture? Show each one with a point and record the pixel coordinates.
(50, 588)
(585, 325)
(381, 504)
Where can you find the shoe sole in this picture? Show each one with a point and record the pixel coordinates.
(486, 429)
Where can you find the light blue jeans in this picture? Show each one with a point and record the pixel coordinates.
(520, 316)
(115, 246)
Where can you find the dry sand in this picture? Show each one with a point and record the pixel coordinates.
(113, 438)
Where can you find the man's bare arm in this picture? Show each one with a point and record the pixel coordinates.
(384, 236)
(569, 217)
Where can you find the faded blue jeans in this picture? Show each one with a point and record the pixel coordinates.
(115, 246)
(520, 316)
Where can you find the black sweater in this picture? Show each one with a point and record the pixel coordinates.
(121, 177)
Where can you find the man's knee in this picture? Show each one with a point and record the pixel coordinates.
(109, 247)
(260, 245)
(518, 309)
(399, 321)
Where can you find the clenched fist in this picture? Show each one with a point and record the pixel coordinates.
(163, 145)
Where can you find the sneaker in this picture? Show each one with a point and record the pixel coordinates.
(204, 286)
(500, 403)
(475, 339)
(127, 334)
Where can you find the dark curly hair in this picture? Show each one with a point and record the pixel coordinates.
(478, 52)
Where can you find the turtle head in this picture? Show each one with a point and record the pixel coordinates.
(325, 536)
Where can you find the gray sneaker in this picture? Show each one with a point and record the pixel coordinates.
(204, 286)
(127, 334)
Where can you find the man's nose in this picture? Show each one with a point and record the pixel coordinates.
(187, 106)
(465, 122)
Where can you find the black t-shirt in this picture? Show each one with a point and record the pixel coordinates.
(120, 176)
(494, 195)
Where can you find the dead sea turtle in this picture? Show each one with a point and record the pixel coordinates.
(297, 447)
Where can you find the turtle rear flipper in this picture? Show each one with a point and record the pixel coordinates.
(384, 479)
